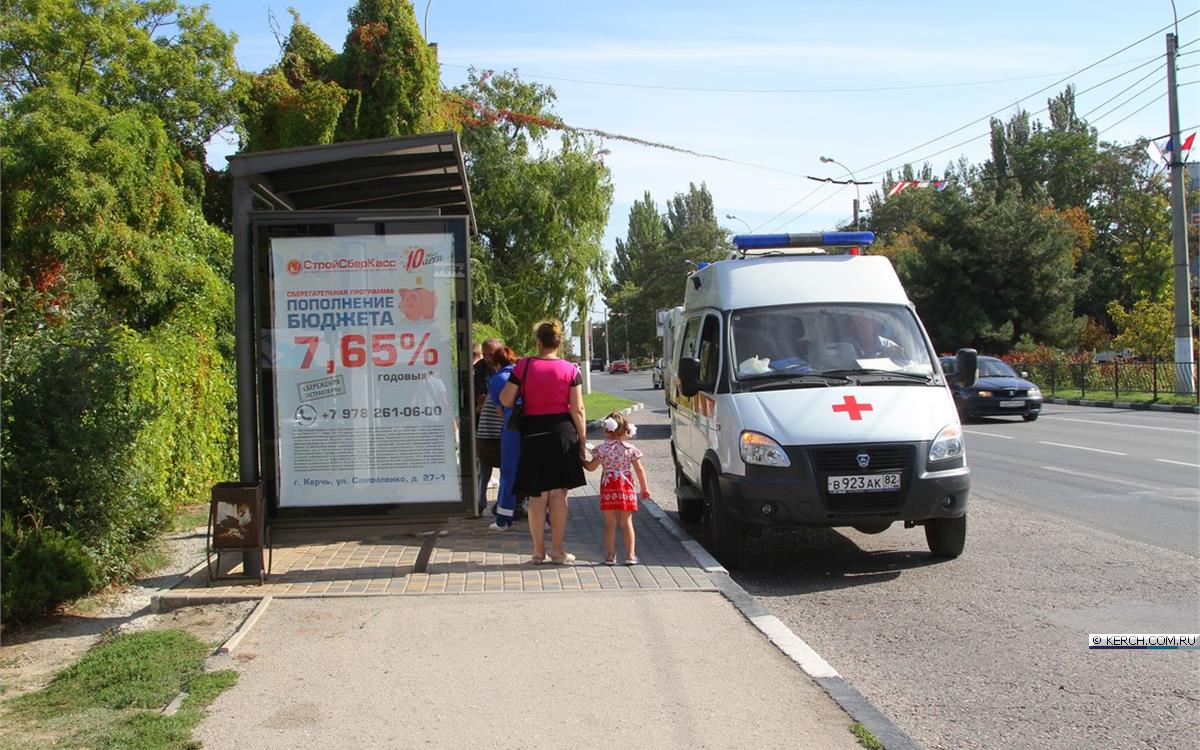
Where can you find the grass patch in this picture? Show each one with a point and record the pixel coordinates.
(190, 517)
(113, 696)
(864, 737)
(1134, 397)
(599, 405)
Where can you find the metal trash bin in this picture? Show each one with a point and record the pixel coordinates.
(237, 521)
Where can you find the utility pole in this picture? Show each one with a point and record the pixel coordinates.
(585, 343)
(1183, 303)
(606, 359)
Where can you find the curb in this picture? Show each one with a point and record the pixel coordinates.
(854, 703)
(1176, 408)
(595, 423)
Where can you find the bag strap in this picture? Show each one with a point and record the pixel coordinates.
(521, 383)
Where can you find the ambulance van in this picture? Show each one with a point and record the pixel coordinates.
(803, 390)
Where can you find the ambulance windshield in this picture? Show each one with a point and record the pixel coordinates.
(799, 339)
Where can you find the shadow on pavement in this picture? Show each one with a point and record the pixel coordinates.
(781, 562)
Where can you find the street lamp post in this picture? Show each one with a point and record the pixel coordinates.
(828, 160)
(731, 217)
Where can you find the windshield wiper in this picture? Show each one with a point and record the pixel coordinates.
(789, 380)
(878, 376)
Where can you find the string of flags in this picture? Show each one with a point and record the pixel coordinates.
(1159, 155)
(938, 185)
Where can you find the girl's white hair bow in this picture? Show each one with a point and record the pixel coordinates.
(610, 424)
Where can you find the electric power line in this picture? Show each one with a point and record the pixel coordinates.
(852, 90)
(1151, 87)
(1134, 112)
(1119, 93)
(1018, 102)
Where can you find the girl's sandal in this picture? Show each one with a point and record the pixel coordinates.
(566, 559)
(537, 560)
(632, 560)
(611, 561)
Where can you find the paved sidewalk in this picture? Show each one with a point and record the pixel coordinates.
(643, 669)
(470, 558)
(349, 652)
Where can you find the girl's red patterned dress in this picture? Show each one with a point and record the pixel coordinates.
(616, 483)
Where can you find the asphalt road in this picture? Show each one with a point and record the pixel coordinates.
(1086, 521)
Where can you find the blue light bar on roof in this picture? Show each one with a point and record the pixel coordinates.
(808, 239)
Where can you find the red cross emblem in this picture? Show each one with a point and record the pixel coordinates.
(853, 408)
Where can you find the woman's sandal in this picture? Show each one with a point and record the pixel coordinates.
(566, 559)
(632, 560)
(611, 561)
(537, 560)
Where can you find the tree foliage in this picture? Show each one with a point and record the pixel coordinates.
(122, 54)
(651, 264)
(1035, 242)
(383, 83)
(541, 208)
(116, 362)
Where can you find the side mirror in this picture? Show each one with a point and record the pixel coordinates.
(689, 376)
(1025, 374)
(966, 363)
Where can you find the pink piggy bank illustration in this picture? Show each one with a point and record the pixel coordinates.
(418, 304)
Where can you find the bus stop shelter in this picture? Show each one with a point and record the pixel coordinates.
(352, 307)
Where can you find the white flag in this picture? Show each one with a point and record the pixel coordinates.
(1155, 154)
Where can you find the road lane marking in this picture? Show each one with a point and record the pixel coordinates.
(1118, 424)
(1102, 477)
(1083, 448)
(989, 434)
(1178, 463)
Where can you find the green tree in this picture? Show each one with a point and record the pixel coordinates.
(985, 276)
(1146, 329)
(541, 211)
(652, 262)
(123, 54)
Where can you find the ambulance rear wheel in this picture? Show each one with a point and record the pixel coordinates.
(723, 533)
(946, 536)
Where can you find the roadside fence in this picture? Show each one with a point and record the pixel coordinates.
(1077, 380)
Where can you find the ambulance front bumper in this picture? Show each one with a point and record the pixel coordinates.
(804, 494)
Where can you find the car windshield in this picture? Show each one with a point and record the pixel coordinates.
(798, 339)
(995, 368)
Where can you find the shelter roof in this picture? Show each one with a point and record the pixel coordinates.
(417, 172)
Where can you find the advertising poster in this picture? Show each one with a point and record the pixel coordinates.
(366, 401)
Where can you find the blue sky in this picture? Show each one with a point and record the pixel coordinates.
(950, 57)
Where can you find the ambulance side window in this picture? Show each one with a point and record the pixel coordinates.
(688, 342)
(710, 350)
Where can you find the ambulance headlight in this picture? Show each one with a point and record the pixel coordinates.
(948, 444)
(983, 394)
(1035, 392)
(757, 448)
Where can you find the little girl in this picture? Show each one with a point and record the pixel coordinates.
(617, 497)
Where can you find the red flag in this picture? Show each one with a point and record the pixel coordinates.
(1188, 143)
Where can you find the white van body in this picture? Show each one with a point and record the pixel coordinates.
(796, 419)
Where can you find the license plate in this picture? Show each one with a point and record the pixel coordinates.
(1007, 404)
(864, 483)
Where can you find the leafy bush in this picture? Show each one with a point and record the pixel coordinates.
(41, 569)
(107, 430)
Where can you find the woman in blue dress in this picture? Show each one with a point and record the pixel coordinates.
(510, 440)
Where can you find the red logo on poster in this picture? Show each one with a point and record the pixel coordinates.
(293, 266)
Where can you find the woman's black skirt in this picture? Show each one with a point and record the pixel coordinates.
(549, 455)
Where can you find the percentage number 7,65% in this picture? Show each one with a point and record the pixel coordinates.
(383, 350)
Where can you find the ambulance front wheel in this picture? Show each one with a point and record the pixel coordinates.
(724, 534)
(691, 509)
(946, 536)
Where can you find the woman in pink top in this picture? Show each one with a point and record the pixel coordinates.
(552, 438)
